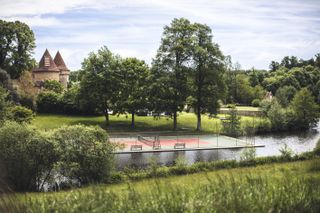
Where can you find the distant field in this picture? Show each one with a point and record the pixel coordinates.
(270, 188)
(186, 122)
(243, 108)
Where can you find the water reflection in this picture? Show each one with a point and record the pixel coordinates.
(298, 141)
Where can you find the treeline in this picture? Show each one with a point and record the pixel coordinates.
(188, 72)
(188, 66)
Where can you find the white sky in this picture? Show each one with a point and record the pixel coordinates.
(253, 32)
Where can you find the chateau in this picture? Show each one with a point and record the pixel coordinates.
(51, 69)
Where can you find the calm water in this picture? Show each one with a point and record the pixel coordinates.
(297, 141)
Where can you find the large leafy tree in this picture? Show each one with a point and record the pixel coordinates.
(305, 110)
(98, 85)
(170, 68)
(17, 43)
(208, 68)
(133, 94)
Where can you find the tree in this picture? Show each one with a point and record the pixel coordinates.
(98, 85)
(208, 69)
(277, 116)
(305, 110)
(274, 66)
(232, 123)
(285, 94)
(170, 68)
(17, 43)
(133, 87)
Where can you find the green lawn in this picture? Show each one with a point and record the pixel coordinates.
(286, 187)
(186, 122)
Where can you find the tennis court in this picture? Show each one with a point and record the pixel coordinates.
(156, 143)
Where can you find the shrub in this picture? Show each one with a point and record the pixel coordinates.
(48, 102)
(85, 153)
(21, 114)
(28, 102)
(28, 156)
(286, 152)
(255, 103)
(52, 85)
(248, 154)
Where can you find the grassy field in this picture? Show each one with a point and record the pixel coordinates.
(286, 187)
(186, 122)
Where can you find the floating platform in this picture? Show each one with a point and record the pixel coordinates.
(156, 143)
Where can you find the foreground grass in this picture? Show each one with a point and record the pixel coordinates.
(186, 122)
(286, 187)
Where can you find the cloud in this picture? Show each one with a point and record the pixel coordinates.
(252, 32)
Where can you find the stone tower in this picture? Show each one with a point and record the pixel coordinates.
(50, 69)
(64, 71)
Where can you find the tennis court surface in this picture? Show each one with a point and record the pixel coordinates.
(156, 143)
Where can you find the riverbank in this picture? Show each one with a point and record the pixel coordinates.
(242, 189)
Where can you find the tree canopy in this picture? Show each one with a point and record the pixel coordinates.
(17, 43)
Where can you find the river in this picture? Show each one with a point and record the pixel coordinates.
(298, 142)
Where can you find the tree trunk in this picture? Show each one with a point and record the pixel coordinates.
(106, 115)
(175, 120)
(132, 119)
(198, 118)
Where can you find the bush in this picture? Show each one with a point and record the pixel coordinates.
(48, 102)
(52, 85)
(248, 154)
(27, 101)
(28, 156)
(21, 114)
(85, 153)
(255, 103)
(286, 152)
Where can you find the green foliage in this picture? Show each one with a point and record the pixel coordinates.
(207, 84)
(52, 85)
(305, 110)
(277, 116)
(285, 94)
(85, 153)
(169, 89)
(20, 114)
(28, 102)
(286, 152)
(232, 123)
(27, 155)
(278, 188)
(133, 87)
(4, 104)
(255, 103)
(48, 102)
(317, 148)
(17, 43)
(99, 83)
(248, 154)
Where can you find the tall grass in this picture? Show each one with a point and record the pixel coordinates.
(277, 190)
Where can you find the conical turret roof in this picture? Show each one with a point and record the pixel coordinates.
(58, 60)
(46, 63)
